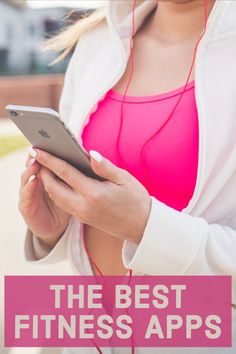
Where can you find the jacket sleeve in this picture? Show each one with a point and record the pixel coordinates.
(36, 251)
(176, 243)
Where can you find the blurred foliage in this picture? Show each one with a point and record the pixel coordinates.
(12, 143)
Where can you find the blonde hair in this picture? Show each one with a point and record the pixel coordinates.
(66, 40)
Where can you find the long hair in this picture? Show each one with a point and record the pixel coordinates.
(65, 41)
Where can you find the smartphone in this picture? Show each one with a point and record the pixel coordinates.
(44, 129)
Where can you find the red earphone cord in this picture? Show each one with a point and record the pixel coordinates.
(175, 106)
(101, 274)
(120, 128)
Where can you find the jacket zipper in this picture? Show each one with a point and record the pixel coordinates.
(216, 11)
(201, 141)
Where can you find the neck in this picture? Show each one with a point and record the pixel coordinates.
(174, 21)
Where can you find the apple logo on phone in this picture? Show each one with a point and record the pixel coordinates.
(44, 133)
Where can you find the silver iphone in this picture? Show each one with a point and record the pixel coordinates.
(45, 130)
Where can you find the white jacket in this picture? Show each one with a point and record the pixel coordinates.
(200, 239)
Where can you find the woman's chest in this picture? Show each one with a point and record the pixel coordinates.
(160, 150)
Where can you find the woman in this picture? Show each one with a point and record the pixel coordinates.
(168, 208)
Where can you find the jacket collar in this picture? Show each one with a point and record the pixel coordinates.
(221, 21)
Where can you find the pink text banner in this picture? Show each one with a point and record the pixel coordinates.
(116, 311)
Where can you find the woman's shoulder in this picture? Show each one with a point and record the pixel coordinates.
(88, 56)
(95, 50)
(93, 38)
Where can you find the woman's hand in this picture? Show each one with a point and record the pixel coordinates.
(120, 205)
(43, 217)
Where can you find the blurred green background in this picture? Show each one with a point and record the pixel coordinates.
(11, 143)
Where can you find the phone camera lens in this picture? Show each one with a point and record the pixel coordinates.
(14, 114)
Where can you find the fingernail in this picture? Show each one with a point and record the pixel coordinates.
(32, 152)
(95, 155)
(31, 178)
(31, 162)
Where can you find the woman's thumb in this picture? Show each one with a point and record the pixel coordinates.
(105, 168)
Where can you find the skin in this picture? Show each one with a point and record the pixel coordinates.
(116, 209)
(177, 20)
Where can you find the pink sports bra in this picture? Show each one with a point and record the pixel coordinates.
(167, 165)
